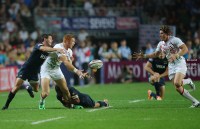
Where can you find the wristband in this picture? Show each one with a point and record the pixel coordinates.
(75, 70)
(144, 56)
(177, 55)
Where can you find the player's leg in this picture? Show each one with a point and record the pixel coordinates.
(45, 82)
(63, 87)
(189, 82)
(150, 93)
(178, 84)
(12, 93)
(162, 91)
(100, 103)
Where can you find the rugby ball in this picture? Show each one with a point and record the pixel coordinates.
(95, 64)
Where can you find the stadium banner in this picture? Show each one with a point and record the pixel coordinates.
(112, 70)
(99, 23)
(8, 78)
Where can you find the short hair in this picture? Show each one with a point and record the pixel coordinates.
(45, 36)
(68, 37)
(166, 29)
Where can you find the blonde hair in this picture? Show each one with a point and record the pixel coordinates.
(68, 37)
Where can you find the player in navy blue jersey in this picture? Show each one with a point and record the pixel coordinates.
(156, 75)
(31, 68)
(78, 98)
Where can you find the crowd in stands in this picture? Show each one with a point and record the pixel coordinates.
(18, 33)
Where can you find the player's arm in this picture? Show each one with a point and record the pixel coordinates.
(183, 51)
(70, 67)
(49, 49)
(141, 55)
(148, 68)
(165, 73)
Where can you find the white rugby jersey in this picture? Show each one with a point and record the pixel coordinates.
(53, 61)
(171, 47)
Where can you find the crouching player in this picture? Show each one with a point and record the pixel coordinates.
(157, 69)
(78, 98)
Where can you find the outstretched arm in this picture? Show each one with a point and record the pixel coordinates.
(141, 55)
(49, 49)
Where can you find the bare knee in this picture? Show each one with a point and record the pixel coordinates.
(177, 84)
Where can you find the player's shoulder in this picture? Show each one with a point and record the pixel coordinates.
(39, 44)
(59, 45)
(175, 39)
(161, 42)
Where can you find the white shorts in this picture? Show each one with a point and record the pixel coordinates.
(180, 67)
(55, 74)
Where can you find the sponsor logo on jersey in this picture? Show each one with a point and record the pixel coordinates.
(160, 66)
(43, 56)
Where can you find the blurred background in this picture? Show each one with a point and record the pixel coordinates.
(110, 30)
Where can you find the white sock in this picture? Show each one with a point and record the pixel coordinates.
(42, 100)
(187, 95)
(186, 81)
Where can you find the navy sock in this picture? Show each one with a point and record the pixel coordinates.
(28, 88)
(10, 97)
(153, 94)
(102, 103)
(157, 88)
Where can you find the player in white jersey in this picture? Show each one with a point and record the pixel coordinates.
(174, 49)
(51, 69)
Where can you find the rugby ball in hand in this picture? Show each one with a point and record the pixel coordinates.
(95, 64)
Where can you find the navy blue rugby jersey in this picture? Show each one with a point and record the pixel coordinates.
(36, 59)
(159, 65)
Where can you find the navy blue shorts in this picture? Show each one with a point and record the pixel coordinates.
(161, 83)
(25, 74)
(87, 101)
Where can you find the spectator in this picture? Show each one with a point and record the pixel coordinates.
(84, 57)
(3, 59)
(82, 35)
(12, 40)
(125, 75)
(189, 55)
(23, 34)
(103, 53)
(20, 57)
(13, 11)
(25, 12)
(5, 35)
(125, 51)
(89, 8)
(149, 49)
(36, 34)
(114, 52)
(10, 25)
(196, 48)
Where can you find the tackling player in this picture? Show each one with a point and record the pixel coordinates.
(174, 49)
(79, 99)
(31, 68)
(51, 69)
(156, 75)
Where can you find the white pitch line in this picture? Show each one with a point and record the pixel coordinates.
(136, 101)
(99, 109)
(42, 121)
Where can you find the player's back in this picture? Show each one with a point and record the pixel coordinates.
(36, 59)
(159, 65)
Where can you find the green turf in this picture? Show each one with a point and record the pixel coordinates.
(171, 113)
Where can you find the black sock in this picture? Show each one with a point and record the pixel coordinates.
(157, 87)
(59, 97)
(10, 97)
(102, 103)
(154, 95)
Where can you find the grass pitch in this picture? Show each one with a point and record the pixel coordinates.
(129, 109)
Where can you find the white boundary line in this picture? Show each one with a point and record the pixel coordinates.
(99, 109)
(136, 101)
(42, 121)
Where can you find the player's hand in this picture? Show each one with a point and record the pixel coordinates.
(172, 58)
(86, 75)
(61, 51)
(157, 75)
(138, 55)
(80, 74)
